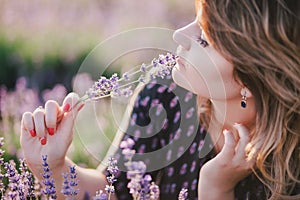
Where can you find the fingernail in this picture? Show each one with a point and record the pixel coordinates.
(32, 133)
(50, 131)
(236, 124)
(80, 107)
(67, 107)
(43, 141)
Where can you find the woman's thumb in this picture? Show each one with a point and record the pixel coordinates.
(229, 144)
(70, 109)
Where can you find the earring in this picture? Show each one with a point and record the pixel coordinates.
(245, 94)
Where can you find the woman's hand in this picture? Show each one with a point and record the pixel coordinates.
(219, 176)
(49, 131)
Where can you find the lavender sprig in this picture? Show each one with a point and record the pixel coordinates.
(183, 194)
(112, 169)
(26, 178)
(49, 189)
(69, 184)
(140, 185)
(2, 187)
(13, 190)
(100, 195)
(121, 87)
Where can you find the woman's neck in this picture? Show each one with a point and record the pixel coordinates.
(229, 112)
(224, 114)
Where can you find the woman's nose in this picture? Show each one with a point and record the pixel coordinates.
(181, 37)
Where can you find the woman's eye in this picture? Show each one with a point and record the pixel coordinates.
(202, 41)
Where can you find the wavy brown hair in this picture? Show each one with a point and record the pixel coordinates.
(262, 40)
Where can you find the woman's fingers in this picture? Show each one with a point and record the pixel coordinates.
(244, 140)
(51, 120)
(228, 150)
(70, 110)
(39, 124)
(51, 113)
(28, 125)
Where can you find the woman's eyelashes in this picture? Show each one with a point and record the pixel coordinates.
(202, 41)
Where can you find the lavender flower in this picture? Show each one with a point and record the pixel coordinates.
(112, 169)
(143, 68)
(112, 87)
(154, 191)
(1, 151)
(100, 195)
(126, 76)
(26, 179)
(103, 87)
(37, 187)
(13, 179)
(140, 185)
(183, 194)
(49, 189)
(70, 183)
(128, 143)
(2, 187)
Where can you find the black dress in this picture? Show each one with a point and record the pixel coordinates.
(168, 138)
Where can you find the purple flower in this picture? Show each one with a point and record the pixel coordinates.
(105, 87)
(139, 185)
(110, 189)
(13, 180)
(112, 170)
(112, 166)
(2, 187)
(138, 167)
(49, 189)
(143, 68)
(26, 183)
(126, 76)
(128, 143)
(100, 195)
(122, 92)
(70, 183)
(128, 153)
(154, 191)
(1, 151)
(183, 194)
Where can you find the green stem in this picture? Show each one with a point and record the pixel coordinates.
(134, 73)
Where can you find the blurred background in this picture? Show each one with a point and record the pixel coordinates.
(42, 45)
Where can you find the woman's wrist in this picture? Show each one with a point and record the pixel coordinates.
(210, 191)
(211, 187)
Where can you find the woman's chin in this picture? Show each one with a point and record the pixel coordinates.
(180, 79)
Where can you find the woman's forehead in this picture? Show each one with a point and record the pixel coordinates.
(198, 10)
(197, 4)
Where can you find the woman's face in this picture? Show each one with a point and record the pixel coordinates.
(200, 68)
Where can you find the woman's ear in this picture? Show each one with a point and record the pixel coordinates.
(246, 92)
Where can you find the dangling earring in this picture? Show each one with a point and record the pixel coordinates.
(245, 93)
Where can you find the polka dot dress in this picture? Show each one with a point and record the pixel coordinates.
(169, 139)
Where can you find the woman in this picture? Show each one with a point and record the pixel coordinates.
(242, 59)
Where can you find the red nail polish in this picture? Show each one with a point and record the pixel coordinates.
(43, 141)
(67, 107)
(32, 133)
(50, 131)
(80, 107)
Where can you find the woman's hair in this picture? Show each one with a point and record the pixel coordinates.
(262, 40)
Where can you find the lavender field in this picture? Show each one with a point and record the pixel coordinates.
(42, 45)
